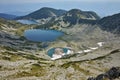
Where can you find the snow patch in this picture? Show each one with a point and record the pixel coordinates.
(87, 50)
(100, 44)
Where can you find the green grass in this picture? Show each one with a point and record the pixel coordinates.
(9, 48)
(35, 70)
(31, 57)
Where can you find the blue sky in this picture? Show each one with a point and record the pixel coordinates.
(101, 7)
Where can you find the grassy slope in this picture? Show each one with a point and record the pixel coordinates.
(25, 61)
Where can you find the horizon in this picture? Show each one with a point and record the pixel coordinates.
(101, 7)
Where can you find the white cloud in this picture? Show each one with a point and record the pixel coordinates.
(44, 1)
(25, 1)
(98, 0)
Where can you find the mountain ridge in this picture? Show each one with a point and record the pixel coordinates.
(47, 12)
(44, 12)
(71, 17)
(111, 23)
(7, 16)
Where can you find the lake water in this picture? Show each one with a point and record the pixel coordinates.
(27, 21)
(38, 35)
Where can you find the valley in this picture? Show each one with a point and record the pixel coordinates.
(95, 43)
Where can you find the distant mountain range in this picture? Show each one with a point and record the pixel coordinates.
(19, 13)
(46, 12)
(72, 17)
(7, 16)
(57, 19)
(76, 16)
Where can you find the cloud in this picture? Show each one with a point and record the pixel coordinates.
(48, 1)
(25, 1)
(97, 0)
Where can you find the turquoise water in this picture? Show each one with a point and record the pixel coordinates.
(51, 51)
(27, 21)
(38, 35)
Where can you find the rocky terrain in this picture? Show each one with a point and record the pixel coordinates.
(21, 59)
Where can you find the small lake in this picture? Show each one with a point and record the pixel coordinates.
(38, 35)
(27, 21)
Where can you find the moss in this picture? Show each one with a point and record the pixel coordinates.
(69, 75)
(20, 30)
(35, 70)
(6, 58)
(15, 57)
(78, 68)
(7, 55)
(9, 48)
(22, 74)
(32, 57)
(65, 65)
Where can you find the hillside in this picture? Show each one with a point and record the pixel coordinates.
(77, 16)
(111, 23)
(71, 17)
(13, 27)
(7, 16)
(44, 12)
(21, 59)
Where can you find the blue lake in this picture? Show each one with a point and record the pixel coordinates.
(27, 21)
(38, 35)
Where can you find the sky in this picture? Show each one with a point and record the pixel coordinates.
(101, 7)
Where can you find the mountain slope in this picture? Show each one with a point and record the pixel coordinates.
(21, 59)
(7, 16)
(77, 16)
(44, 12)
(90, 15)
(70, 18)
(111, 23)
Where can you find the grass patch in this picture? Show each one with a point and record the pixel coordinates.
(10, 56)
(77, 67)
(9, 48)
(31, 57)
(35, 70)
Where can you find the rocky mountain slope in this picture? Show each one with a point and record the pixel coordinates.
(75, 15)
(70, 18)
(111, 23)
(44, 12)
(21, 59)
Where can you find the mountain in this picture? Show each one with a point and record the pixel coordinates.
(7, 16)
(77, 16)
(111, 23)
(90, 15)
(72, 17)
(44, 12)
(93, 48)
